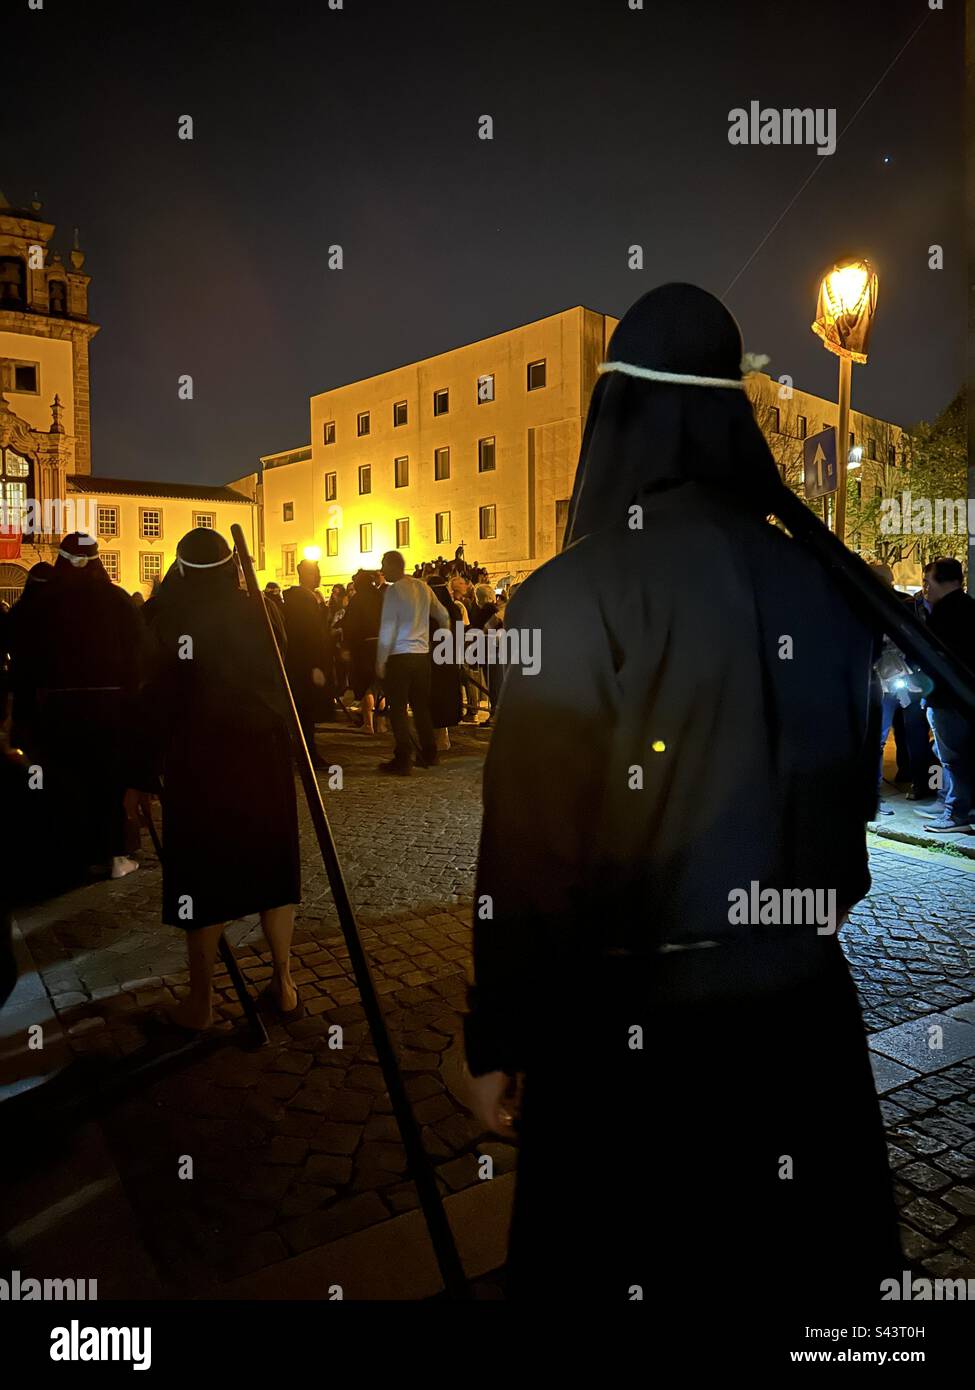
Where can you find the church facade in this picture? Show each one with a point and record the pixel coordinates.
(47, 486)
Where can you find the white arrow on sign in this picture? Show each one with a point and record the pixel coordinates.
(819, 458)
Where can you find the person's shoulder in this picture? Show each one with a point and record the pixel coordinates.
(564, 581)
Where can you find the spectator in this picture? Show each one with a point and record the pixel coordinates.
(952, 619)
(308, 652)
(403, 662)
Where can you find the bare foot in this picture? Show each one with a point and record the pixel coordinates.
(189, 1014)
(286, 995)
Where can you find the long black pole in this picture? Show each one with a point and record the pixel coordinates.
(420, 1167)
(878, 601)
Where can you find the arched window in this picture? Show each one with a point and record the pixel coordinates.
(57, 296)
(12, 580)
(13, 283)
(16, 477)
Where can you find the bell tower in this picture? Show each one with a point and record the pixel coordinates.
(45, 333)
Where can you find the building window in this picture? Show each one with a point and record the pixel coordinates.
(13, 283)
(365, 538)
(441, 402)
(800, 426)
(852, 440)
(26, 378)
(287, 511)
(891, 456)
(150, 523)
(402, 532)
(441, 464)
(288, 561)
(487, 522)
(332, 540)
(365, 479)
(329, 432)
(150, 565)
(16, 486)
(485, 388)
(872, 449)
(561, 521)
(401, 472)
(331, 487)
(110, 564)
(57, 296)
(485, 455)
(362, 423)
(206, 520)
(107, 521)
(536, 375)
(443, 527)
(400, 414)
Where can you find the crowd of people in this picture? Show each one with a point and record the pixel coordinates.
(333, 643)
(934, 741)
(663, 754)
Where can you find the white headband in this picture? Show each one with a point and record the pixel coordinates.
(78, 560)
(182, 564)
(751, 362)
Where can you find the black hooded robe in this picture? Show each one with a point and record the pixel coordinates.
(214, 728)
(698, 1120)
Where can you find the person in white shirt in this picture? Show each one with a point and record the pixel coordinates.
(403, 661)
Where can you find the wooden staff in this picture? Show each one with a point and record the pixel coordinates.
(420, 1167)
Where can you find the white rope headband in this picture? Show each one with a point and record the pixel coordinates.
(182, 564)
(751, 362)
(79, 561)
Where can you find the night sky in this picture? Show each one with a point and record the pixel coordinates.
(359, 127)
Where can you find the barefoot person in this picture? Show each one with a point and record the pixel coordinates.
(213, 729)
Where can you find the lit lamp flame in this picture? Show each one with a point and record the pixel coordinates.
(847, 299)
(313, 553)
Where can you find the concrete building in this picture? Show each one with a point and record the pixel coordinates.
(47, 487)
(480, 445)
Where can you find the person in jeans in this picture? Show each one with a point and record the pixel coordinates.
(403, 661)
(953, 620)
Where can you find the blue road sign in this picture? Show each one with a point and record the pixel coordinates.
(819, 462)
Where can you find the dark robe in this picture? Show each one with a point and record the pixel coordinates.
(446, 700)
(308, 649)
(700, 721)
(78, 651)
(360, 632)
(214, 730)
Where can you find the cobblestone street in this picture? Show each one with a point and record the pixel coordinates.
(294, 1146)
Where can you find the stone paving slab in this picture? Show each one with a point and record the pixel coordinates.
(927, 1044)
(295, 1153)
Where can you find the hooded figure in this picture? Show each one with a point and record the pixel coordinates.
(214, 734)
(674, 827)
(77, 653)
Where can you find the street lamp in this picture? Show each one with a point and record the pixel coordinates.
(847, 299)
(313, 553)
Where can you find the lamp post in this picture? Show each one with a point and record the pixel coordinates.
(847, 299)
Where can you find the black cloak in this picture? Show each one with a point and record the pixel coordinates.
(699, 723)
(214, 730)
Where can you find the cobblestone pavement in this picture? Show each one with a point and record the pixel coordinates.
(294, 1145)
